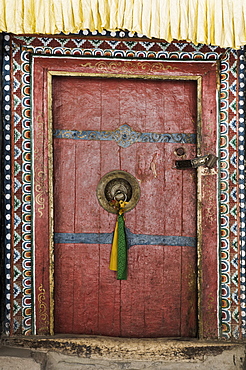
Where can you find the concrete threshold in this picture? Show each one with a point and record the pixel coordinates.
(63, 352)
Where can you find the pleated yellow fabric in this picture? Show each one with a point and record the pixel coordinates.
(216, 22)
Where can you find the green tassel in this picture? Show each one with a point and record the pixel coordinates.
(122, 249)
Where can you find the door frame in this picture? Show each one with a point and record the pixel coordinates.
(45, 290)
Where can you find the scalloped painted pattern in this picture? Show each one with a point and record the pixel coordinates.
(19, 316)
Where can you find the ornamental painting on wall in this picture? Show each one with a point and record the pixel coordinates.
(20, 53)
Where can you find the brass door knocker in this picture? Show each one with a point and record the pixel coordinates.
(115, 186)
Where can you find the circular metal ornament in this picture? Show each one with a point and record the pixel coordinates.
(116, 186)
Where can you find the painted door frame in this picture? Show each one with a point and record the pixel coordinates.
(207, 207)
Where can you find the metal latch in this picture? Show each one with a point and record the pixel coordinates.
(208, 161)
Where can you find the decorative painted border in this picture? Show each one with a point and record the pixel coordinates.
(224, 198)
(234, 201)
(22, 47)
(241, 184)
(230, 303)
(7, 181)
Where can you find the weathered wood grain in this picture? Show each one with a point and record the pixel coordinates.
(160, 296)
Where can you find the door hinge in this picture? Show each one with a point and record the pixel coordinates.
(208, 161)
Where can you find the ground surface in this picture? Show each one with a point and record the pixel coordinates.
(101, 353)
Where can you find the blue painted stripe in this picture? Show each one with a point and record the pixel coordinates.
(125, 136)
(132, 239)
(83, 238)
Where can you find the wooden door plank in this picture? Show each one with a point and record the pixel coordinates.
(190, 97)
(76, 103)
(188, 293)
(110, 104)
(87, 220)
(133, 295)
(109, 296)
(64, 288)
(154, 106)
(109, 161)
(172, 291)
(189, 195)
(132, 103)
(64, 186)
(175, 106)
(86, 288)
(173, 183)
(64, 204)
(87, 176)
(145, 162)
(155, 305)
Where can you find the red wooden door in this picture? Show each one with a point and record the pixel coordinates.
(159, 297)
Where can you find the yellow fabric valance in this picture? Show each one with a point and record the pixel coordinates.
(216, 22)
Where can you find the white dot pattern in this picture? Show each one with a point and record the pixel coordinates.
(7, 176)
(241, 168)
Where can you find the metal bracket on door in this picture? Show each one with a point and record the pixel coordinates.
(208, 161)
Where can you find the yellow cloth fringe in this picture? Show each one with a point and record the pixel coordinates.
(113, 264)
(216, 22)
(114, 250)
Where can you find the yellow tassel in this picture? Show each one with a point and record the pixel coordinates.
(113, 264)
(114, 250)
